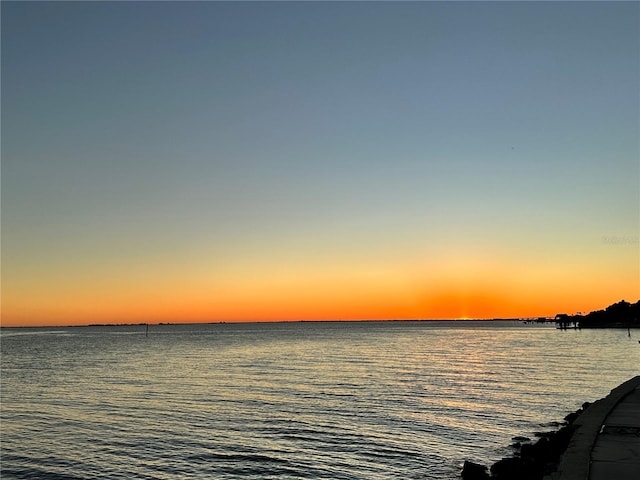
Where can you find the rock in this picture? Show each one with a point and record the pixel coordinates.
(474, 471)
(534, 460)
(509, 469)
(573, 416)
(558, 443)
(528, 451)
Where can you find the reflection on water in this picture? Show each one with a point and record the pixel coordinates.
(372, 400)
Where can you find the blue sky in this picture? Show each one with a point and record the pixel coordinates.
(295, 134)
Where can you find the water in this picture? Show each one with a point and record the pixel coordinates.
(370, 400)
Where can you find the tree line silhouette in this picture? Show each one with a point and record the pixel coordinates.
(622, 314)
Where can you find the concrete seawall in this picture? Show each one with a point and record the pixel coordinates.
(622, 407)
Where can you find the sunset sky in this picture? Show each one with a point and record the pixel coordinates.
(282, 161)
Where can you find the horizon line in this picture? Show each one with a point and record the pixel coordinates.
(220, 322)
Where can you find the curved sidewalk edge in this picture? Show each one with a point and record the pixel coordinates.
(575, 462)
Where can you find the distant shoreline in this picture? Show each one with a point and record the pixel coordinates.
(525, 320)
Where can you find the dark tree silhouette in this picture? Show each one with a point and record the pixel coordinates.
(621, 315)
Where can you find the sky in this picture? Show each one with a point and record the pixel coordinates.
(212, 161)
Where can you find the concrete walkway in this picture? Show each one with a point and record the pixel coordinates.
(616, 453)
(606, 442)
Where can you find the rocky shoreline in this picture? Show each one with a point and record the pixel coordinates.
(530, 461)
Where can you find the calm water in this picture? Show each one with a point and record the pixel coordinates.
(371, 400)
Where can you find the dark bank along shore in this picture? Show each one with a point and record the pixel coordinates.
(530, 461)
(541, 460)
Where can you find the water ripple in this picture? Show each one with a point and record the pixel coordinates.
(290, 401)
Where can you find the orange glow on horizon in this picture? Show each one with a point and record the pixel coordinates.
(440, 287)
(444, 303)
